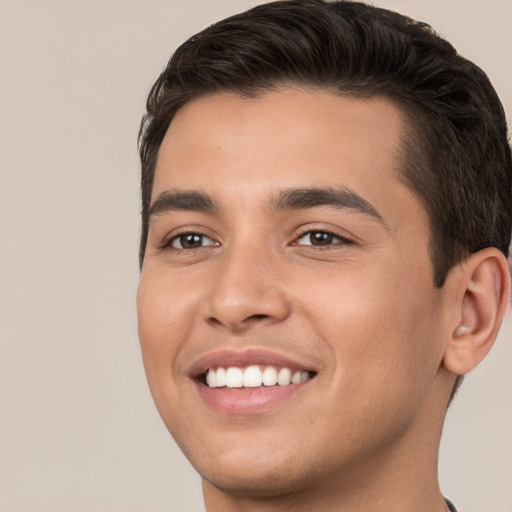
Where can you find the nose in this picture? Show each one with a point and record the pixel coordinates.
(247, 290)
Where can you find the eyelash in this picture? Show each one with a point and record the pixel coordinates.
(341, 239)
(168, 244)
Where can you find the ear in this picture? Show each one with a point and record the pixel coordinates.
(482, 292)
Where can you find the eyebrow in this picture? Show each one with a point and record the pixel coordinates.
(338, 198)
(290, 199)
(186, 200)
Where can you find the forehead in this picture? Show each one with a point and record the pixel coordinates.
(237, 147)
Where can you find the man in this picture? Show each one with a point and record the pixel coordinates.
(327, 212)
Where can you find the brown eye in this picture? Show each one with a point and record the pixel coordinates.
(191, 241)
(320, 239)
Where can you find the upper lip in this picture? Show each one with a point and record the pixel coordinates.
(243, 358)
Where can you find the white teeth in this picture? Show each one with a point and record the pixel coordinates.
(220, 380)
(253, 377)
(234, 377)
(210, 378)
(269, 376)
(295, 377)
(284, 377)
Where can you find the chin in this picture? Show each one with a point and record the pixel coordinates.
(252, 481)
(252, 473)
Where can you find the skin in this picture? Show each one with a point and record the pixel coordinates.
(362, 311)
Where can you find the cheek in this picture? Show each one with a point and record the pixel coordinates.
(380, 327)
(162, 320)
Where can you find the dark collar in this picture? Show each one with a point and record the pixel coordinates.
(451, 506)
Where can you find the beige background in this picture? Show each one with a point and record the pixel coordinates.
(78, 430)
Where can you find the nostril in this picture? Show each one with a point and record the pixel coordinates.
(257, 317)
(244, 322)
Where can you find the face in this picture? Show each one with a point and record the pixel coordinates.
(283, 245)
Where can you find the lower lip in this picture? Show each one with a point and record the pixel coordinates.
(247, 400)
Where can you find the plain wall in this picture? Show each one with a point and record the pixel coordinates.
(78, 429)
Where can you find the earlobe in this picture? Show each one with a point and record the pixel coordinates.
(483, 291)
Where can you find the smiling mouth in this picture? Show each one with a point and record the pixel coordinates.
(254, 376)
